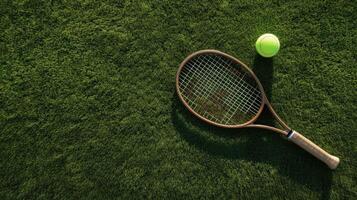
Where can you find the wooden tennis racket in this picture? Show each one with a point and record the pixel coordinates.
(223, 91)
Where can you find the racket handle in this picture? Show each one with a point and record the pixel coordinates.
(330, 160)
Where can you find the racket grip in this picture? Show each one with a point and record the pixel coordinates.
(330, 160)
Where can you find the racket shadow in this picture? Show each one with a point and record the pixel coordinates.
(255, 145)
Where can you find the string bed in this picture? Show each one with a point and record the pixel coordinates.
(219, 90)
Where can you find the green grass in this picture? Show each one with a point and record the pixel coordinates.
(88, 107)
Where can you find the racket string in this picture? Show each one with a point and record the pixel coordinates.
(213, 79)
(230, 65)
(199, 87)
(236, 101)
(245, 90)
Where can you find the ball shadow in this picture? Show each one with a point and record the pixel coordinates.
(254, 145)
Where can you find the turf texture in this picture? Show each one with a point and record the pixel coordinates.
(88, 108)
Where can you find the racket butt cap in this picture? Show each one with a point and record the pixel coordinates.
(334, 162)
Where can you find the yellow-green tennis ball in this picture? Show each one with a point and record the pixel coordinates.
(267, 45)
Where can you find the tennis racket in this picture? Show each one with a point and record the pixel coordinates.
(223, 91)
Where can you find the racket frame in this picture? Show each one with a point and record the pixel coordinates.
(250, 123)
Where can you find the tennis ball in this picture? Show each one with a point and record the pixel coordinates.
(267, 45)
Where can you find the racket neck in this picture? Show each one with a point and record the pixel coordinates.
(276, 116)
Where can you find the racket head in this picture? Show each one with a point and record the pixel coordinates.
(202, 87)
